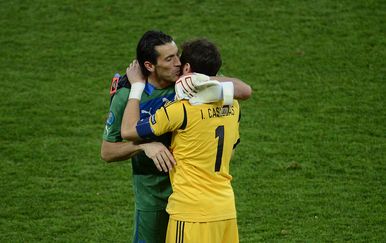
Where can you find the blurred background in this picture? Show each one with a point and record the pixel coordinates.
(311, 164)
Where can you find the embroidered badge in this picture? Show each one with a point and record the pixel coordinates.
(110, 119)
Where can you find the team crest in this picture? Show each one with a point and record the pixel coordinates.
(110, 119)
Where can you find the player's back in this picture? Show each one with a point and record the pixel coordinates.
(203, 148)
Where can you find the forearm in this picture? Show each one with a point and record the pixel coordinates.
(111, 152)
(242, 91)
(131, 115)
(129, 120)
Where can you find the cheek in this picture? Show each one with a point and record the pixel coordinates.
(164, 72)
(166, 68)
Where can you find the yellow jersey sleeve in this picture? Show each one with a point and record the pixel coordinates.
(166, 119)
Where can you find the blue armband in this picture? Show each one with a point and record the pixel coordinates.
(144, 129)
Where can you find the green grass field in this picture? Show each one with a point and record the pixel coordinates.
(311, 166)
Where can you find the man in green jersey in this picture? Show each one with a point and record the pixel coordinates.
(158, 57)
(150, 161)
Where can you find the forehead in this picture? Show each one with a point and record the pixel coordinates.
(167, 49)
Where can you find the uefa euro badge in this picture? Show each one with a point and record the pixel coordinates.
(110, 119)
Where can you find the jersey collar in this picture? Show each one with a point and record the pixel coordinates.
(149, 88)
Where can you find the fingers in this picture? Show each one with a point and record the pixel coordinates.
(167, 161)
(161, 156)
(170, 157)
(164, 161)
(134, 73)
(156, 163)
(131, 65)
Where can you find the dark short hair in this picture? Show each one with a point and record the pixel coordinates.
(146, 48)
(202, 55)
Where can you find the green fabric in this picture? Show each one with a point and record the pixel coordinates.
(151, 187)
(151, 191)
(112, 133)
(150, 227)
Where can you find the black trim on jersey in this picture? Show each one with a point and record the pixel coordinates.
(237, 143)
(180, 232)
(183, 125)
(124, 82)
(239, 115)
(166, 112)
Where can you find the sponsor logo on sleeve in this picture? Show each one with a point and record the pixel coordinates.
(152, 119)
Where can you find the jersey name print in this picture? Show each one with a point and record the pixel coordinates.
(218, 112)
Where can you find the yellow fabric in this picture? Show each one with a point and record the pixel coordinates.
(200, 193)
(223, 231)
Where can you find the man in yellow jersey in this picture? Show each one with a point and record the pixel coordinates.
(204, 135)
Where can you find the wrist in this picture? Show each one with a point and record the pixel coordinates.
(136, 90)
(141, 147)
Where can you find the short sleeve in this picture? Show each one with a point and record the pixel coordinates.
(112, 129)
(166, 119)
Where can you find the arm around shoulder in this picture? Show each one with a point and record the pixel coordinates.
(118, 151)
(242, 91)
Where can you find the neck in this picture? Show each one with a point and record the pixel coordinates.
(157, 83)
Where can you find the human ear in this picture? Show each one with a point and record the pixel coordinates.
(186, 69)
(149, 66)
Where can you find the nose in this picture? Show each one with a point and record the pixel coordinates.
(177, 62)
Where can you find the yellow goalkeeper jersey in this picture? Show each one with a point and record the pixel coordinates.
(204, 137)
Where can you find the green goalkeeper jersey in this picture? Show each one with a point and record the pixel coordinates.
(151, 187)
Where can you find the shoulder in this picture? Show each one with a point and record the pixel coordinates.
(175, 108)
(122, 93)
(175, 104)
(120, 98)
